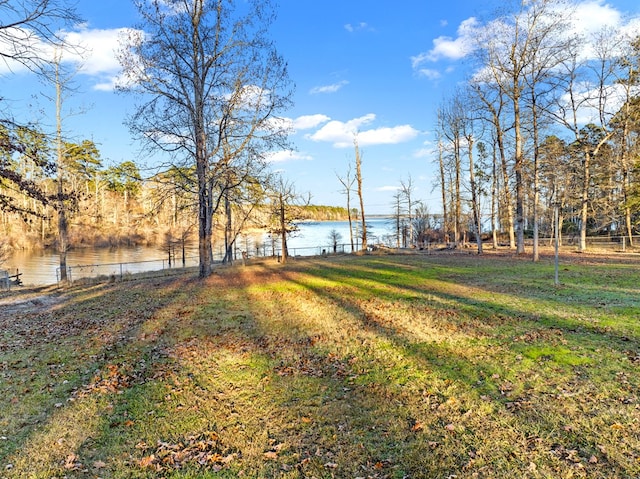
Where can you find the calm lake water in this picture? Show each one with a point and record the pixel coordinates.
(313, 237)
(41, 268)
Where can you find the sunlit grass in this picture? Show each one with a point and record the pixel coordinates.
(374, 366)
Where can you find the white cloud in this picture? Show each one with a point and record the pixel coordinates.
(328, 88)
(100, 50)
(632, 28)
(251, 96)
(91, 51)
(95, 54)
(280, 123)
(593, 15)
(588, 17)
(428, 150)
(342, 134)
(362, 26)
(20, 43)
(307, 122)
(293, 125)
(388, 188)
(423, 153)
(445, 47)
(430, 73)
(286, 155)
(590, 103)
(593, 18)
(387, 136)
(109, 85)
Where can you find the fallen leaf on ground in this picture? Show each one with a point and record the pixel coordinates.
(147, 461)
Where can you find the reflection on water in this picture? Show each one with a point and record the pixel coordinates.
(41, 268)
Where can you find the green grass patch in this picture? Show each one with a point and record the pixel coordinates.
(557, 354)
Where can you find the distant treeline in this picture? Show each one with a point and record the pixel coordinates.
(325, 213)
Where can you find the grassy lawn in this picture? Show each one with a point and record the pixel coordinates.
(403, 366)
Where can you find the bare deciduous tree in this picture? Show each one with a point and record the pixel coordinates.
(494, 101)
(347, 182)
(287, 209)
(334, 238)
(584, 84)
(211, 85)
(407, 188)
(450, 117)
(359, 182)
(443, 188)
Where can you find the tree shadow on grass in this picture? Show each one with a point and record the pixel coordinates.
(68, 362)
(522, 410)
(299, 373)
(490, 301)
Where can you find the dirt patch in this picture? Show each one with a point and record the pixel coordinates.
(28, 301)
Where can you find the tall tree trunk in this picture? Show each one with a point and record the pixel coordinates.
(536, 177)
(204, 222)
(359, 181)
(457, 192)
(443, 188)
(584, 199)
(626, 177)
(283, 230)
(494, 199)
(350, 225)
(506, 185)
(205, 184)
(475, 201)
(518, 163)
(228, 232)
(63, 233)
(63, 225)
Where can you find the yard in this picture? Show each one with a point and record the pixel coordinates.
(374, 366)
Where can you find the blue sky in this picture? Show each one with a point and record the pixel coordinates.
(376, 67)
